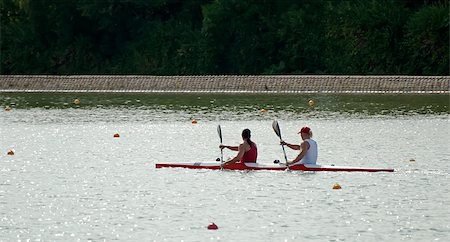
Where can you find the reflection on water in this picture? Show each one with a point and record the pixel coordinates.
(376, 104)
(114, 107)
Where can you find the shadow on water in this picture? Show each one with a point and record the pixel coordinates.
(290, 104)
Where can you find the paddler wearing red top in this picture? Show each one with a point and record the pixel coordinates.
(247, 151)
(308, 148)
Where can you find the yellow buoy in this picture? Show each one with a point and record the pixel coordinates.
(336, 186)
(311, 103)
(263, 110)
(116, 135)
(194, 121)
(76, 101)
(7, 108)
(10, 152)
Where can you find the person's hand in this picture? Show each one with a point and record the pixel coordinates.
(283, 143)
(222, 146)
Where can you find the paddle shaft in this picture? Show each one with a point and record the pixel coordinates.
(277, 130)
(219, 131)
(284, 151)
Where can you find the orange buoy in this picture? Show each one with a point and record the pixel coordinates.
(76, 101)
(10, 152)
(212, 226)
(311, 103)
(336, 186)
(263, 110)
(116, 135)
(7, 108)
(194, 121)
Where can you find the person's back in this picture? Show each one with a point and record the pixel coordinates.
(247, 151)
(311, 155)
(251, 155)
(308, 148)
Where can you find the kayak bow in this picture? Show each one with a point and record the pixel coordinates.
(277, 167)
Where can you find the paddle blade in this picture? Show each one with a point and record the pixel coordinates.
(276, 128)
(219, 131)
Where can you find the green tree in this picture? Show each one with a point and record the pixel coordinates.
(238, 37)
(181, 37)
(364, 37)
(300, 39)
(427, 38)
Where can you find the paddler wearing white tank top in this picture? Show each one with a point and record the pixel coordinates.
(308, 148)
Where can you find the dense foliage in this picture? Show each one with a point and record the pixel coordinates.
(187, 37)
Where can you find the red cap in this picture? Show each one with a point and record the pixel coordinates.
(305, 130)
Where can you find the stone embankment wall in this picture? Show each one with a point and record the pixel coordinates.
(231, 84)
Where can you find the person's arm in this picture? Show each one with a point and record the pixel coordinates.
(292, 146)
(241, 151)
(235, 148)
(304, 146)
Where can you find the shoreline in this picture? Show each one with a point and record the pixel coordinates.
(233, 84)
(223, 92)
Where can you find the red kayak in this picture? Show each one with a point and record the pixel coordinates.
(276, 167)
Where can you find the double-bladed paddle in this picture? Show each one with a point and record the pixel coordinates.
(277, 130)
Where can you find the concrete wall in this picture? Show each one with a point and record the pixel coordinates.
(257, 84)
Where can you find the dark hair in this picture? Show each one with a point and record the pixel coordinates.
(246, 135)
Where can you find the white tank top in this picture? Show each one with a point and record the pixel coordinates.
(311, 155)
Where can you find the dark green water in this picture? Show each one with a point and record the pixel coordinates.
(371, 104)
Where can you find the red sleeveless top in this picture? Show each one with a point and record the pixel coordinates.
(251, 155)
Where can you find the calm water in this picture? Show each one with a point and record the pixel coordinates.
(71, 180)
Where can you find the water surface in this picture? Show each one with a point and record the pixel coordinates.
(71, 180)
